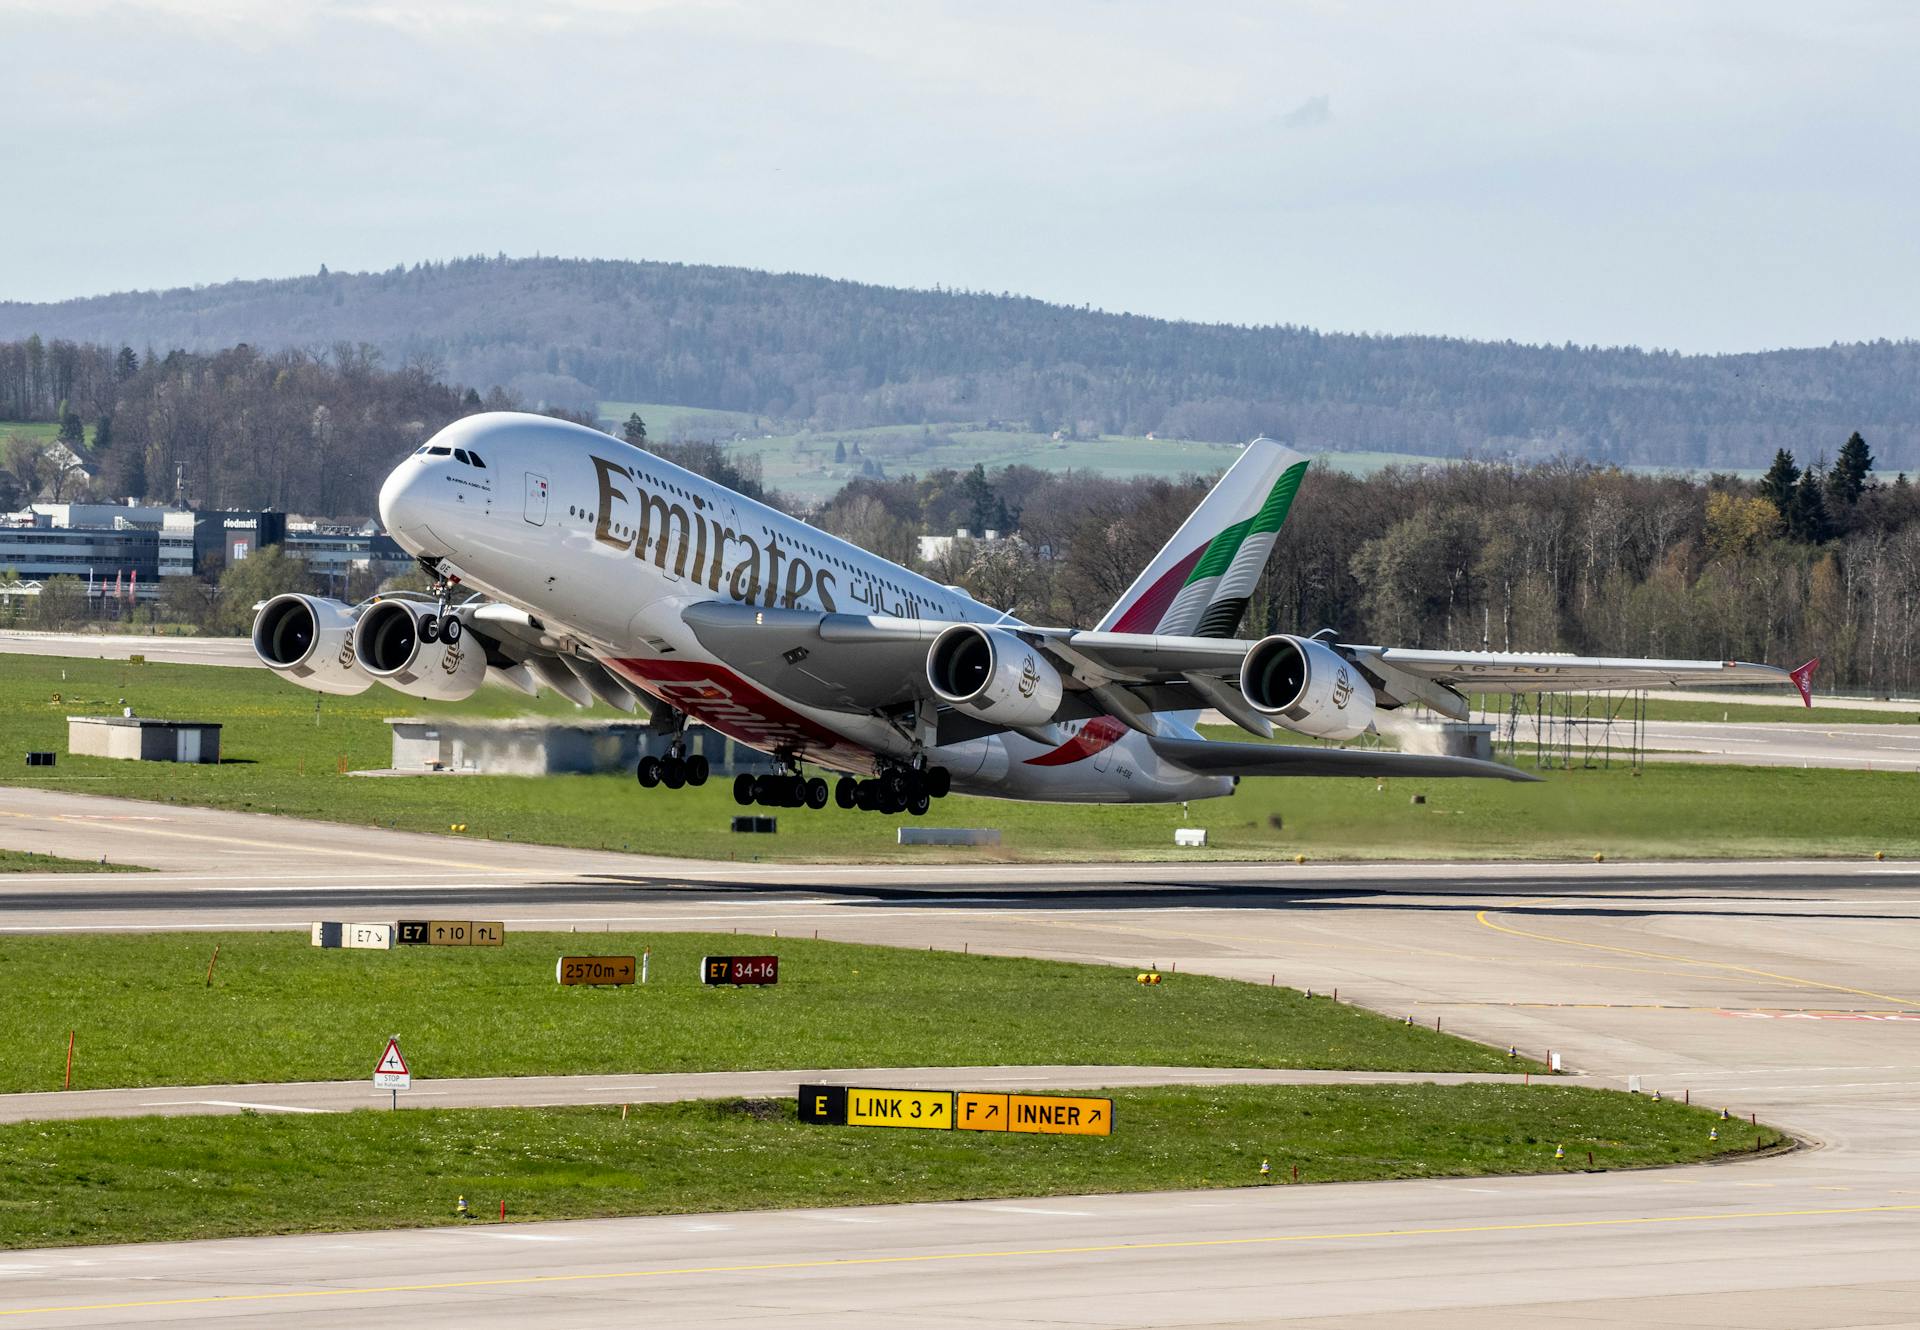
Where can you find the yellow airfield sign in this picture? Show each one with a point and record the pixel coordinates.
(1060, 1115)
(964, 1110)
(974, 1111)
(927, 1109)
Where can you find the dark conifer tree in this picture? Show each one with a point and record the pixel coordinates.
(1776, 487)
(1850, 470)
(1807, 510)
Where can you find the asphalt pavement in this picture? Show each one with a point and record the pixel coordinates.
(1789, 991)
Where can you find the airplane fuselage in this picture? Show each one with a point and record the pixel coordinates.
(607, 544)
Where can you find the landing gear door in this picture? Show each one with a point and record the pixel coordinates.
(536, 499)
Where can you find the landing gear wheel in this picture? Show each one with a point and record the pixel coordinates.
(673, 773)
(743, 790)
(939, 782)
(866, 795)
(698, 769)
(816, 793)
(919, 804)
(894, 784)
(449, 628)
(843, 791)
(648, 772)
(429, 628)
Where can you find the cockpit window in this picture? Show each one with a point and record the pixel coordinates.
(440, 452)
(475, 457)
(421, 449)
(460, 455)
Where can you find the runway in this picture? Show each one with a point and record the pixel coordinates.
(1791, 991)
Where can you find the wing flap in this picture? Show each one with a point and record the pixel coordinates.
(1237, 759)
(1546, 673)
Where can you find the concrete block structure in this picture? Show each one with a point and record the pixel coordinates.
(143, 739)
(532, 746)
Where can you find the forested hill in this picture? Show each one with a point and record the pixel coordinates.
(840, 354)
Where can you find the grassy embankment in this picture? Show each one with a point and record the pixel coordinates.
(26, 861)
(282, 1010)
(283, 747)
(122, 1180)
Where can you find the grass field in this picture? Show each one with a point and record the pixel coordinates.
(282, 1010)
(121, 1180)
(283, 748)
(26, 861)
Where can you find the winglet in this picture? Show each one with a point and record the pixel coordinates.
(1803, 679)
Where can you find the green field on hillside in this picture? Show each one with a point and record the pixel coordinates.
(123, 1179)
(283, 746)
(280, 1009)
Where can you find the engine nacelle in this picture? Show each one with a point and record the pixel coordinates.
(308, 640)
(391, 646)
(1307, 687)
(992, 674)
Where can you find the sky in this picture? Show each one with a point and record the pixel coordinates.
(1697, 176)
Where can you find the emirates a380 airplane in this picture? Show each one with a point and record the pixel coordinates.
(563, 557)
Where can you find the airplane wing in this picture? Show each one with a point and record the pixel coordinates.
(870, 663)
(1213, 758)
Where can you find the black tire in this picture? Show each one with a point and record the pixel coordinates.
(919, 804)
(916, 787)
(648, 772)
(866, 795)
(891, 804)
(796, 791)
(429, 628)
(816, 793)
(743, 790)
(895, 784)
(763, 790)
(698, 769)
(673, 773)
(939, 782)
(843, 791)
(449, 628)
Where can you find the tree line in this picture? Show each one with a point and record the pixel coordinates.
(302, 431)
(841, 355)
(1558, 556)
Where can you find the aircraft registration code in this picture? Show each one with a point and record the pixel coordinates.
(594, 970)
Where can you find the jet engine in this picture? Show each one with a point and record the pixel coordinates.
(1307, 687)
(399, 644)
(992, 674)
(309, 641)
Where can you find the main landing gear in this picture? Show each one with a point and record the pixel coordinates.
(894, 790)
(673, 770)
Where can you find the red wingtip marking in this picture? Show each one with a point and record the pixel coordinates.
(1803, 680)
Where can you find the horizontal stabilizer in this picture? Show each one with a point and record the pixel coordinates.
(1209, 758)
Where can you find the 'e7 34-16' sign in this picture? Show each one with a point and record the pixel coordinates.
(739, 969)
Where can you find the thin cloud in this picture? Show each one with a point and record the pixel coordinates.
(1310, 114)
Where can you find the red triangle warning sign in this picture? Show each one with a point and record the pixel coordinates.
(391, 1063)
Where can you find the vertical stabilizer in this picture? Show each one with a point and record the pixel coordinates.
(1199, 584)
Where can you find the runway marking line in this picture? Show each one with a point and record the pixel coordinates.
(86, 821)
(1481, 917)
(930, 1258)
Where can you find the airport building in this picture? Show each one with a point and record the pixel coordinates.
(134, 547)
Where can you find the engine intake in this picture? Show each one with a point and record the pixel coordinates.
(309, 641)
(1307, 687)
(392, 646)
(992, 674)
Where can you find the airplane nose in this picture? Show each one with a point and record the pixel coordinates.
(406, 506)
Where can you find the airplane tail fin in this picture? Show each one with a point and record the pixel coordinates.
(1803, 680)
(1198, 586)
